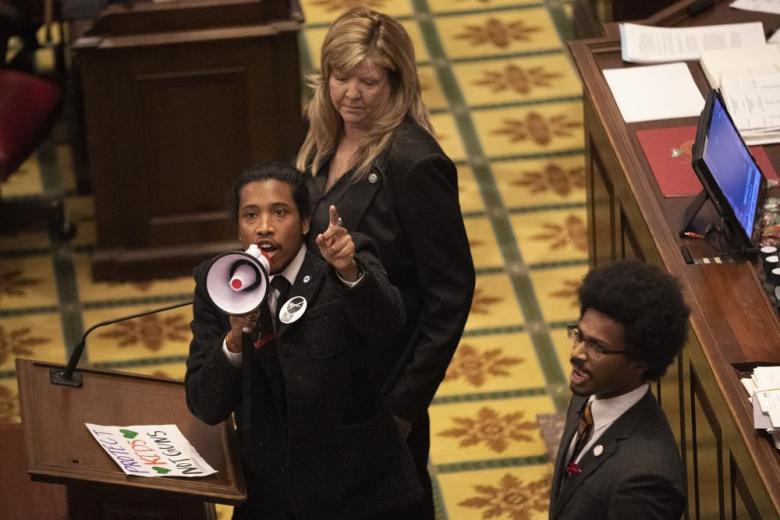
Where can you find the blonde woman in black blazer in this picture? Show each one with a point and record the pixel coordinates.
(370, 151)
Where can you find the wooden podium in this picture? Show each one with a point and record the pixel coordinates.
(179, 97)
(60, 449)
(20, 497)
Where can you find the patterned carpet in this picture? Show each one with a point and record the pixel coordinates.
(506, 106)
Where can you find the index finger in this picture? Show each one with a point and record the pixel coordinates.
(335, 219)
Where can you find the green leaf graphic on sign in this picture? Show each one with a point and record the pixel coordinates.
(161, 471)
(128, 434)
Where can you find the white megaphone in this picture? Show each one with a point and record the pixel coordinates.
(237, 282)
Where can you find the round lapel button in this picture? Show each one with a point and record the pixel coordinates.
(292, 309)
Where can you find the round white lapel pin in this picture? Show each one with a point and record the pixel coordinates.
(373, 177)
(598, 450)
(306, 279)
(293, 309)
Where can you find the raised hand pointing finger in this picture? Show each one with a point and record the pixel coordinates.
(337, 248)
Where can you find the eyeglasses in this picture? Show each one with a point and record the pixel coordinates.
(595, 349)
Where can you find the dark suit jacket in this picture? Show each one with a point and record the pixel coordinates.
(409, 206)
(327, 446)
(637, 476)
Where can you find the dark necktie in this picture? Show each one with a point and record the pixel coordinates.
(584, 426)
(281, 284)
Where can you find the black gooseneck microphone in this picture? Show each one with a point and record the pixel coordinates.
(67, 376)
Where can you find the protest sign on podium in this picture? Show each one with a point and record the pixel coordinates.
(60, 449)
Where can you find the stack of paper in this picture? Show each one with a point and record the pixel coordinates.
(646, 44)
(749, 79)
(739, 62)
(766, 397)
(754, 104)
(762, 387)
(763, 6)
(654, 92)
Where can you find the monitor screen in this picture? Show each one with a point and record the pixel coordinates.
(730, 165)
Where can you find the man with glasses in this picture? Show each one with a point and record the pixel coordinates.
(618, 458)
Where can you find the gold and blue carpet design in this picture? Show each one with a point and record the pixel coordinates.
(506, 105)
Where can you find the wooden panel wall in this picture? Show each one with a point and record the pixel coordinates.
(172, 120)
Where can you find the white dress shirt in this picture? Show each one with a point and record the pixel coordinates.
(290, 273)
(605, 412)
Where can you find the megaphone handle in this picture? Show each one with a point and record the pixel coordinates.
(245, 336)
(246, 378)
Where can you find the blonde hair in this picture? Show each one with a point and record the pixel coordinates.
(358, 35)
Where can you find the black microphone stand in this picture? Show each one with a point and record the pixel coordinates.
(66, 376)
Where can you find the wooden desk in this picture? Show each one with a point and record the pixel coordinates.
(590, 16)
(732, 471)
(619, 10)
(179, 98)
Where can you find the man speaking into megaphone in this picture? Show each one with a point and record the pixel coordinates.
(316, 438)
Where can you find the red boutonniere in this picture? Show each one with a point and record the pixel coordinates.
(573, 469)
(262, 340)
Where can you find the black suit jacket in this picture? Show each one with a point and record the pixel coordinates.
(328, 446)
(637, 476)
(409, 206)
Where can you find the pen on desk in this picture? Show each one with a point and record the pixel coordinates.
(693, 234)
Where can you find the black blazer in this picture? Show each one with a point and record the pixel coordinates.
(337, 452)
(409, 206)
(638, 474)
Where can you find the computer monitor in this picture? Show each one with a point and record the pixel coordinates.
(729, 174)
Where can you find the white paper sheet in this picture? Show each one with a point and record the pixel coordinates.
(769, 402)
(655, 92)
(763, 6)
(151, 450)
(767, 395)
(754, 101)
(646, 44)
(761, 420)
(766, 378)
(744, 61)
(749, 385)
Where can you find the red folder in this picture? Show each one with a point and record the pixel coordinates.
(668, 150)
